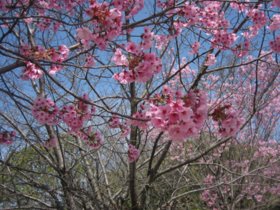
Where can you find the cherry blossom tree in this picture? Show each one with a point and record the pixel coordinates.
(129, 104)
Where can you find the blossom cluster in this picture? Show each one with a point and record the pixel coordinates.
(223, 40)
(92, 138)
(147, 38)
(130, 6)
(209, 196)
(228, 120)
(211, 60)
(275, 23)
(107, 24)
(258, 17)
(181, 116)
(242, 49)
(211, 19)
(140, 119)
(89, 61)
(74, 115)
(141, 66)
(115, 122)
(32, 71)
(45, 111)
(275, 45)
(195, 47)
(133, 153)
(6, 137)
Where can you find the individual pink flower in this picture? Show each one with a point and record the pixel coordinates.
(54, 69)
(119, 58)
(7, 137)
(173, 117)
(133, 48)
(228, 120)
(63, 50)
(125, 130)
(275, 45)
(133, 6)
(85, 34)
(178, 105)
(28, 20)
(163, 111)
(95, 140)
(159, 122)
(242, 49)
(124, 77)
(114, 122)
(258, 197)
(133, 153)
(211, 60)
(166, 90)
(195, 48)
(89, 62)
(31, 71)
(147, 37)
(275, 24)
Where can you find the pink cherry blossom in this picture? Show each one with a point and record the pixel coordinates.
(95, 140)
(181, 116)
(228, 120)
(89, 61)
(107, 22)
(275, 45)
(276, 3)
(7, 137)
(141, 67)
(132, 6)
(275, 24)
(133, 153)
(119, 58)
(76, 114)
(85, 34)
(114, 122)
(211, 60)
(147, 37)
(31, 71)
(195, 47)
(45, 111)
(176, 133)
